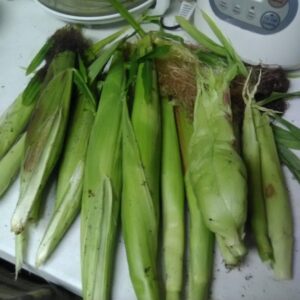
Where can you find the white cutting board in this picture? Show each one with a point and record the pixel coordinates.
(24, 27)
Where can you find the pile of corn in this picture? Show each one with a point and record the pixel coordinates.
(132, 147)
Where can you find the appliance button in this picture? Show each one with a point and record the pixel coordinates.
(270, 20)
(223, 4)
(236, 9)
(251, 14)
(278, 3)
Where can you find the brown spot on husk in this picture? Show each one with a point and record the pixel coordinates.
(269, 190)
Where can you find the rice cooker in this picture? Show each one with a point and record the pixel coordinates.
(262, 31)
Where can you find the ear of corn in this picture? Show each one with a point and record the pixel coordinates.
(146, 120)
(44, 137)
(70, 179)
(141, 149)
(218, 174)
(201, 250)
(252, 158)
(10, 164)
(102, 187)
(200, 239)
(172, 204)
(139, 219)
(278, 210)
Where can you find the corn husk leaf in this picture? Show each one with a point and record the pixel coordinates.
(95, 49)
(10, 164)
(31, 92)
(275, 96)
(128, 17)
(200, 37)
(97, 66)
(290, 159)
(286, 138)
(39, 57)
(84, 89)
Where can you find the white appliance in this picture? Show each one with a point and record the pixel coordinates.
(64, 11)
(262, 31)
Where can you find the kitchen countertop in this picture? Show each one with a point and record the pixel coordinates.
(24, 27)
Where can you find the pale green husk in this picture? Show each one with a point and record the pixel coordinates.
(173, 218)
(70, 179)
(44, 138)
(10, 164)
(102, 188)
(217, 172)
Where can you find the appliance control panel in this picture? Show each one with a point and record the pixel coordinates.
(260, 16)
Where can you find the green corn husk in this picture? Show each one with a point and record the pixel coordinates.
(70, 179)
(172, 205)
(98, 64)
(14, 120)
(128, 17)
(217, 173)
(22, 239)
(96, 49)
(140, 209)
(218, 177)
(201, 255)
(146, 119)
(20, 242)
(252, 159)
(44, 137)
(201, 240)
(229, 259)
(224, 50)
(286, 138)
(278, 210)
(10, 164)
(102, 188)
(290, 159)
(139, 220)
(13, 123)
